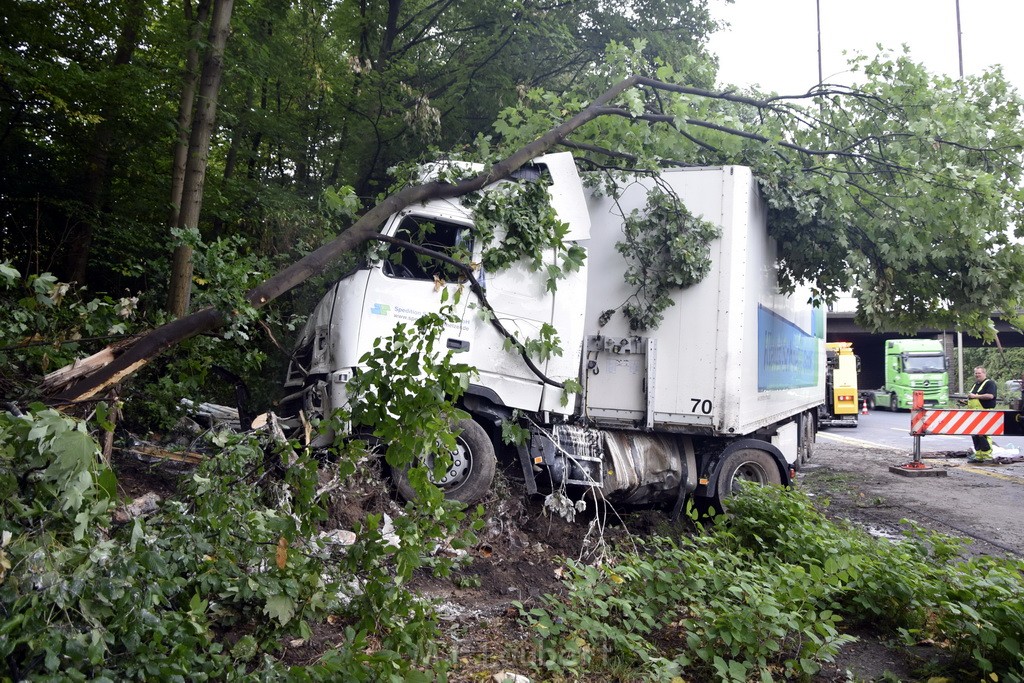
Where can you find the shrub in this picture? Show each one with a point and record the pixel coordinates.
(764, 595)
(694, 609)
(209, 585)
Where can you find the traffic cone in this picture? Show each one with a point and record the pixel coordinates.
(864, 407)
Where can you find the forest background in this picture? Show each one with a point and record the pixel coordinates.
(316, 102)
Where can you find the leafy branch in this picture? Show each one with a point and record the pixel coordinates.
(985, 194)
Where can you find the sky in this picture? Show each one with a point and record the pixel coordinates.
(774, 43)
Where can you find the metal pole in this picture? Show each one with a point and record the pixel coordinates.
(959, 40)
(959, 334)
(960, 360)
(818, 7)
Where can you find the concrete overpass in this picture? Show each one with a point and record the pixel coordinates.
(870, 346)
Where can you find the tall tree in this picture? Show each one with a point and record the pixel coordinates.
(70, 108)
(317, 93)
(96, 174)
(180, 289)
(196, 21)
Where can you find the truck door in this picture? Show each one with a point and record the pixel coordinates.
(524, 304)
(405, 284)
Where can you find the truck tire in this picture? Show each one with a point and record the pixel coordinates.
(471, 473)
(894, 403)
(746, 464)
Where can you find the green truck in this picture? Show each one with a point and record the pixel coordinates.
(911, 365)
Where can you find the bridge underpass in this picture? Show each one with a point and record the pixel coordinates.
(870, 346)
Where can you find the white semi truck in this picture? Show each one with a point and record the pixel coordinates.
(726, 387)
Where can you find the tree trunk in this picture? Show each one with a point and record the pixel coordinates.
(198, 152)
(387, 42)
(188, 93)
(166, 336)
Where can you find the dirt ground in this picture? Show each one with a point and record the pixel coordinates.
(522, 550)
(855, 482)
(980, 503)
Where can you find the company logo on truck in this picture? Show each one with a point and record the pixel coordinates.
(406, 314)
(787, 356)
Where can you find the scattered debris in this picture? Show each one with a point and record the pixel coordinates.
(146, 450)
(506, 677)
(140, 506)
(997, 460)
(214, 416)
(342, 537)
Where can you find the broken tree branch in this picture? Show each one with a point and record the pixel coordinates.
(150, 345)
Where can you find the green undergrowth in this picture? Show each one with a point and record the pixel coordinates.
(768, 592)
(213, 584)
(219, 581)
(216, 582)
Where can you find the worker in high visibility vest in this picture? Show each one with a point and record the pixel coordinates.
(982, 396)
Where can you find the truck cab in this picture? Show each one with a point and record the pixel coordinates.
(369, 302)
(913, 365)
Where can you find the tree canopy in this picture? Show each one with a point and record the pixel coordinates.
(315, 94)
(905, 190)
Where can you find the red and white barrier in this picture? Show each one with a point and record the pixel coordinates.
(956, 422)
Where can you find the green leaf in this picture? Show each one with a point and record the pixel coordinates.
(280, 607)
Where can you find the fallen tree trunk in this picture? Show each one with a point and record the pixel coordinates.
(109, 369)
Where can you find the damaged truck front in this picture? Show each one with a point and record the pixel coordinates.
(724, 387)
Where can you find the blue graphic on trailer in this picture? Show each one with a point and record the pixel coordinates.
(787, 356)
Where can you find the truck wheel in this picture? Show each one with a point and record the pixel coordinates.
(746, 464)
(472, 470)
(894, 404)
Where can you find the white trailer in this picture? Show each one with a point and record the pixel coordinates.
(726, 387)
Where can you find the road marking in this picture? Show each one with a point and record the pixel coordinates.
(990, 473)
(924, 456)
(859, 442)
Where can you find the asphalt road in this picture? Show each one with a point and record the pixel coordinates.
(883, 429)
(982, 502)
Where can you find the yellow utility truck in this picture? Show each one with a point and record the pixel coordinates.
(840, 407)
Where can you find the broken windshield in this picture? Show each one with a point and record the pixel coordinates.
(444, 237)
